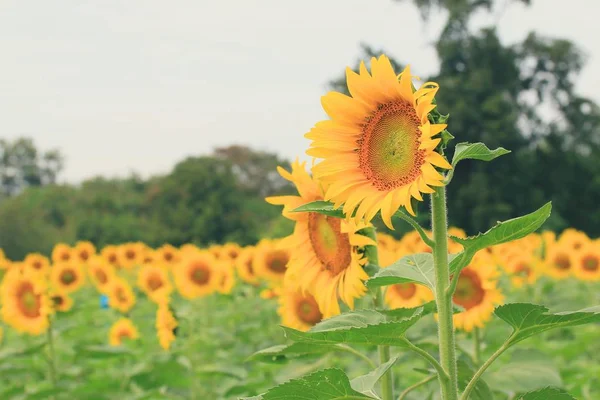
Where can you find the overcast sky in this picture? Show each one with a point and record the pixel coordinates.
(121, 86)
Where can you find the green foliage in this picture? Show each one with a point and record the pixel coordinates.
(416, 268)
(282, 353)
(365, 384)
(466, 369)
(476, 151)
(548, 393)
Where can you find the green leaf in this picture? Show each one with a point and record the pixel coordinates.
(548, 393)
(503, 232)
(282, 353)
(328, 384)
(476, 151)
(465, 372)
(366, 383)
(363, 326)
(530, 319)
(321, 207)
(102, 351)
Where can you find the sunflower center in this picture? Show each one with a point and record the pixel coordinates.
(28, 302)
(200, 274)
(389, 154)
(168, 256)
(249, 266)
(124, 334)
(68, 276)
(121, 296)
(112, 258)
(469, 292)
(84, 255)
(331, 246)
(37, 265)
(277, 261)
(154, 282)
(562, 262)
(233, 254)
(58, 300)
(405, 290)
(523, 270)
(308, 310)
(101, 276)
(590, 263)
(130, 254)
(65, 256)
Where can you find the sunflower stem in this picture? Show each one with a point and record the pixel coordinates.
(477, 345)
(402, 215)
(484, 367)
(415, 386)
(51, 354)
(443, 300)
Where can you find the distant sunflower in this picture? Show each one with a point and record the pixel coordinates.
(60, 301)
(154, 281)
(167, 255)
(84, 250)
(574, 239)
(120, 295)
(523, 269)
(271, 261)
(111, 255)
(121, 330)
(299, 311)
(227, 278)
(587, 262)
(101, 273)
(131, 255)
(270, 293)
(231, 251)
(559, 261)
(379, 146)
(67, 277)
(4, 262)
(165, 326)
(62, 253)
(244, 265)
(37, 262)
(197, 275)
(407, 295)
(25, 302)
(477, 293)
(325, 258)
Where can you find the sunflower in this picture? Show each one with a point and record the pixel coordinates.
(4, 262)
(37, 262)
(477, 293)
(197, 275)
(120, 295)
(231, 251)
(244, 265)
(60, 301)
(62, 253)
(407, 295)
(523, 269)
(227, 278)
(111, 255)
(154, 281)
(271, 261)
(188, 248)
(587, 262)
(122, 329)
(131, 254)
(559, 261)
(25, 302)
(150, 257)
(299, 310)
(325, 258)
(167, 254)
(574, 239)
(101, 273)
(67, 277)
(379, 146)
(166, 325)
(270, 293)
(83, 250)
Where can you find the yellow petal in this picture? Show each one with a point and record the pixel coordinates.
(438, 160)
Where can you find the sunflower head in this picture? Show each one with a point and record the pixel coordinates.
(523, 269)
(84, 250)
(587, 262)
(197, 274)
(167, 254)
(60, 301)
(62, 253)
(166, 324)
(111, 254)
(271, 261)
(559, 260)
(227, 278)
(120, 295)
(299, 310)
(154, 281)
(574, 239)
(131, 255)
(407, 295)
(67, 277)
(122, 330)
(244, 265)
(101, 273)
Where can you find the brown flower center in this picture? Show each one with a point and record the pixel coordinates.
(65, 256)
(121, 295)
(37, 265)
(277, 261)
(154, 282)
(523, 269)
(28, 302)
(469, 292)
(130, 254)
(200, 274)
(124, 334)
(562, 262)
(68, 276)
(168, 256)
(307, 310)
(590, 263)
(101, 276)
(405, 290)
(331, 246)
(84, 255)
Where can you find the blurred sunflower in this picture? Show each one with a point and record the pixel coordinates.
(25, 302)
(244, 265)
(37, 262)
(67, 277)
(379, 146)
(523, 269)
(231, 251)
(120, 295)
(154, 281)
(111, 255)
(227, 278)
(167, 255)
(271, 261)
(101, 273)
(61, 301)
(270, 293)
(559, 261)
(325, 258)
(121, 330)
(4, 262)
(477, 292)
(299, 311)
(586, 265)
(197, 275)
(573, 239)
(131, 255)
(165, 326)
(61, 253)
(407, 295)
(83, 250)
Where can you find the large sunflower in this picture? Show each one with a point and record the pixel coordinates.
(298, 310)
(101, 273)
(477, 293)
(25, 302)
(154, 281)
(407, 295)
(197, 275)
(120, 295)
(587, 262)
(379, 146)
(67, 277)
(121, 330)
(62, 253)
(166, 325)
(325, 258)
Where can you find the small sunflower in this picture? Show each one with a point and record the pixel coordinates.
(111, 255)
(67, 277)
(271, 261)
(121, 330)
(574, 239)
(559, 261)
(227, 278)
(167, 255)
(101, 273)
(37, 262)
(83, 251)
(131, 255)
(197, 275)
(523, 269)
(378, 148)
(477, 293)
(270, 293)
(120, 295)
(587, 262)
(25, 302)
(60, 301)
(231, 251)
(325, 258)
(244, 265)
(166, 324)
(154, 281)
(299, 310)
(407, 295)
(62, 253)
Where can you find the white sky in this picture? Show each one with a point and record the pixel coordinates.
(121, 86)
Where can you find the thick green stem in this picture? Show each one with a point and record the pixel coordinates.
(443, 300)
(51, 355)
